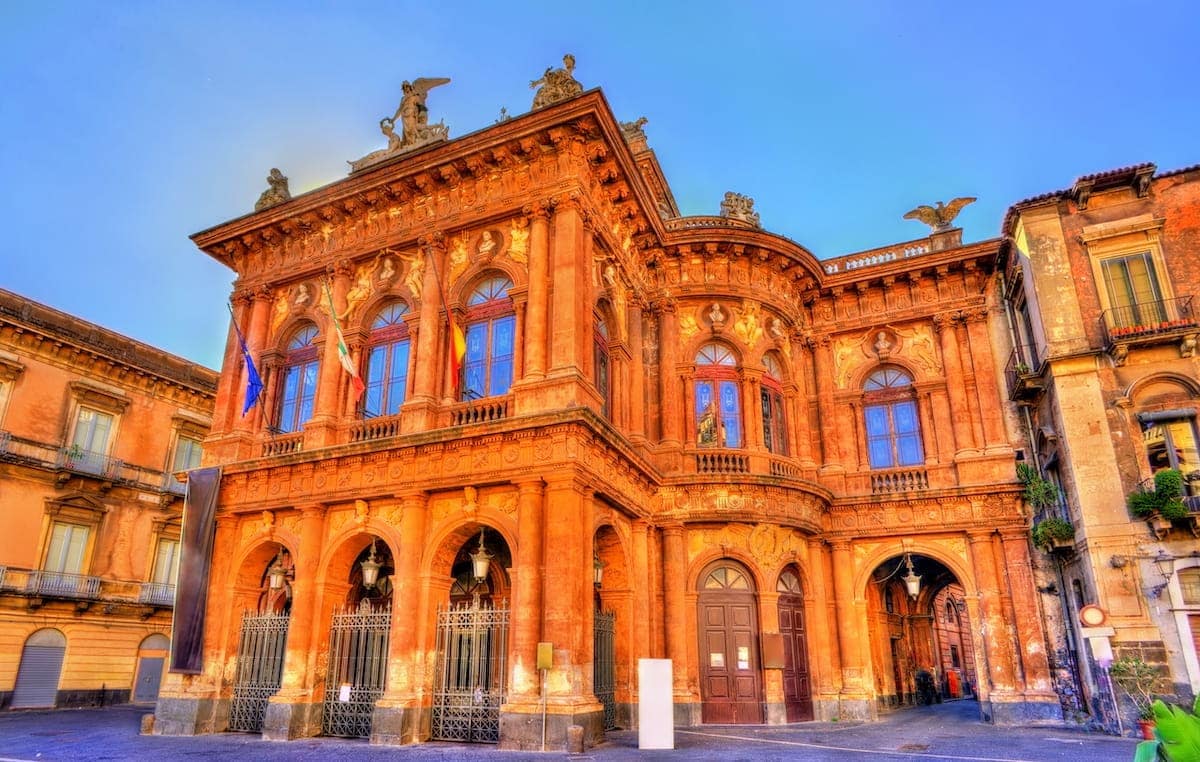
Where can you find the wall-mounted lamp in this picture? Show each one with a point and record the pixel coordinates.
(912, 580)
(480, 561)
(1164, 562)
(277, 574)
(370, 568)
(597, 571)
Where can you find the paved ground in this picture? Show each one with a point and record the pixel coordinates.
(945, 732)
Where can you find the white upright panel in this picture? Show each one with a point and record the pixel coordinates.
(656, 713)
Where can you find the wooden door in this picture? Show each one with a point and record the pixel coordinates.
(730, 678)
(797, 686)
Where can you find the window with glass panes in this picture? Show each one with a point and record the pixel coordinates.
(491, 326)
(387, 362)
(774, 421)
(1133, 290)
(718, 401)
(166, 562)
(1173, 443)
(89, 442)
(298, 381)
(890, 413)
(600, 352)
(68, 542)
(187, 454)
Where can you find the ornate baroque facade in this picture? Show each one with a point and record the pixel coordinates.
(675, 437)
(92, 427)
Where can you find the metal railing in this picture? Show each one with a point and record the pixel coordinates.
(89, 462)
(1021, 372)
(157, 594)
(41, 455)
(62, 585)
(1148, 319)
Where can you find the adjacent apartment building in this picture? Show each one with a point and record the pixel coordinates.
(93, 425)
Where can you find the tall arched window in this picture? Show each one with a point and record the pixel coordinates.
(718, 403)
(890, 412)
(298, 380)
(774, 421)
(387, 362)
(600, 353)
(491, 323)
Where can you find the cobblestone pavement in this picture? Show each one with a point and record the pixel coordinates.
(946, 732)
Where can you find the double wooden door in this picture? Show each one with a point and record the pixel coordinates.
(730, 677)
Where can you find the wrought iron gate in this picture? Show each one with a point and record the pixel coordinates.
(472, 673)
(259, 668)
(603, 666)
(357, 674)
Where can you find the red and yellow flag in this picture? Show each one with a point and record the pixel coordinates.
(458, 350)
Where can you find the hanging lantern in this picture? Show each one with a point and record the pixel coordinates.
(597, 570)
(480, 561)
(912, 580)
(277, 574)
(370, 568)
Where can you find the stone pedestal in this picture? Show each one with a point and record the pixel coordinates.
(522, 731)
(179, 716)
(290, 719)
(397, 724)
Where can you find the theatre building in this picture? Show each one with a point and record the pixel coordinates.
(662, 437)
(93, 427)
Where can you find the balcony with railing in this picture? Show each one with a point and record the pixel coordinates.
(157, 594)
(49, 584)
(71, 460)
(1023, 373)
(88, 462)
(1146, 323)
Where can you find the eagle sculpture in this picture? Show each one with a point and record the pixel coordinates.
(940, 217)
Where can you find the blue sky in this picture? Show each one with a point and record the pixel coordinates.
(127, 126)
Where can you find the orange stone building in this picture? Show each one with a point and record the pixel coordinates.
(92, 427)
(671, 437)
(1101, 279)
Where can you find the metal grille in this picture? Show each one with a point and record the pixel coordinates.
(357, 674)
(259, 668)
(603, 670)
(472, 673)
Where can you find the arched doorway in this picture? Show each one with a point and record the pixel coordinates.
(730, 678)
(471, 679)
(797, 687)
(359, 640)
(915, 643)
(41, 667)
(262, 639)
(151, 654)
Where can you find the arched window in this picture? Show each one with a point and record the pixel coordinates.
(718, 403)
(387, 362)
(600, 353)
(298, 380)
(488, 364)
(774, 421)
(890, 412)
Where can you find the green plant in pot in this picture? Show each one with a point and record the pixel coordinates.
(1039, 493)
(1139, 681)
(1053, 531)
(1177, 734)
(1166, 500)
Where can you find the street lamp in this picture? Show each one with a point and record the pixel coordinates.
(912, 580)
(480, 561)
(597, 570)
(370, 568)
(277, 574)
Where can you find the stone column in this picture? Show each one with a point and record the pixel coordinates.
(639, 573)
(537, 315)
(855, 704)
(985, 380)
(668, 359)
(397, 715)
(754, 436)
(256, 338)
(970, 380)
(825, 662)
(675, 617)
(823, 369)
(960, 412)
(636, 396)
(525, 683)
(429, 328)
(293, 712)
(330, 381)
(773, 696)
(997, 652)
(1041, 700)
(570, 276)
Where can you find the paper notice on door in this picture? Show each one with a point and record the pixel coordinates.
(716, 659)
(743, 657)
(344, 692)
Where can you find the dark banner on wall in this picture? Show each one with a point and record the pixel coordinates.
(191, 587)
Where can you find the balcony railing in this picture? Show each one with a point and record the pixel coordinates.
(62, 585)
(283, 444)
(1022, 373)
(722, 462)
(40, 455)
(173, 485)
(1148, 321)
(88, 462)
(899, 480)
(479, 411)
(157, 594)
(375, 428)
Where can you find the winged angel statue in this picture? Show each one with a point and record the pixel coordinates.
(413, 117)
(941, 217)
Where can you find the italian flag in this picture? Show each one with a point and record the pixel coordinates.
(343, 352)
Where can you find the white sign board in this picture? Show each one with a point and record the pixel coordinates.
(656, 709)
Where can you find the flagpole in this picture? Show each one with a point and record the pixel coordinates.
(254, 384)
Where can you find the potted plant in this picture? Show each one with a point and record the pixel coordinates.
(1137, 680)
(1176, 734)
(1163, 505)
(1039, 493)
(1053, 533)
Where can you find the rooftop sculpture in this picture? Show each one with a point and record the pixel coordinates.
(277, 193)
(941, 217)
(556, 84)
(413, 117)
(738, 207)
